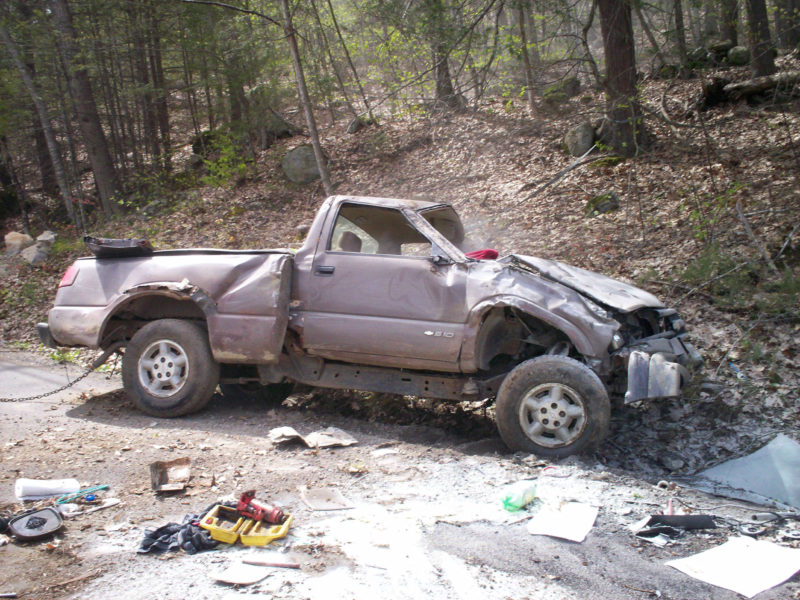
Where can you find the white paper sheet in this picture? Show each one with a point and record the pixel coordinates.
(742, 564)
(566, 520)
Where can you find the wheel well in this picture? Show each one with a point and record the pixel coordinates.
(134, 314)
(511, 336)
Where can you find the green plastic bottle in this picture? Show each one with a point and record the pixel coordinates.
(522, 494)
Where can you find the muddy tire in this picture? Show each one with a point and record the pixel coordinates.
(168, 369)
(273, 394)
(552, 406)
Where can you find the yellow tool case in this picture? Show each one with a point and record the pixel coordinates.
(258, 533)
(225, 524)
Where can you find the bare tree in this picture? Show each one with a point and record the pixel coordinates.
(762, 62)
(105, 176)
(44, 120)
(305, 101)
(729, 20)
(622, 106)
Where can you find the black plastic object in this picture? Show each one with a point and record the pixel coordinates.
(37, 524)
(114, 248)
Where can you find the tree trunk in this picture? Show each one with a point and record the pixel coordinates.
(324, 41)
(637, 6)
(44, 120)
(622, 107)
(680, 33)
(787, 23)
(729, 20)
(762, 62)
(350, 62)
(13, 181)
(105, 176)
(46, 170)
(157, 72)
(142, 75)
(302, 92)
(526, 60)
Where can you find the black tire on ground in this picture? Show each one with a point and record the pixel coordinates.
(168, 369)
(552, 406)
(274, 393)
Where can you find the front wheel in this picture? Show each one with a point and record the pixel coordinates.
(168, 369)
(552, 406)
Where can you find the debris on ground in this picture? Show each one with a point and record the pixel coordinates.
(36, 524)
(767, 476)
(38, 489)
(326, 438)
(242, 574)
(172, 537)
(742, 564)
(566, 520)
(519, 496)
(170, 476)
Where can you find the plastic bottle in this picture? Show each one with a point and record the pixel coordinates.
(519, 496)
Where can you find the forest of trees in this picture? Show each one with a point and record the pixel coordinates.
(114, 88)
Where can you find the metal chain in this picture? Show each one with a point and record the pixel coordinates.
(56, 391)
(97, 362)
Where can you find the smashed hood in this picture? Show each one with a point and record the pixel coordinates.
(602, 289)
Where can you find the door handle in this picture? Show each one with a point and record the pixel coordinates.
(325, 270)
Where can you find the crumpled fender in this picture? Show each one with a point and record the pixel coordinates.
(469, 350)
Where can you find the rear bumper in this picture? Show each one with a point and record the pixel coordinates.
(660, 370)
(43, 329)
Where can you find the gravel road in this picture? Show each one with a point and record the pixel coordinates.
(426, 521)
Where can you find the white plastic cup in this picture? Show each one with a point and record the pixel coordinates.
(35, 489)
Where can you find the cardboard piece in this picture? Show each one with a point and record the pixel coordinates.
(566, 520)
(325, 438)
(742, 564)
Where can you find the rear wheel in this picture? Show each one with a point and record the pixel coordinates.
(552, 406)
(168, 369)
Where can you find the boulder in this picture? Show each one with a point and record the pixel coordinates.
(699, 57)
(601, 204)
(721, 47)
(35, 255)
(300, 165)
(579, 139)
(275, 127)
(47, 238)
(16, 242)
(561, 91)
(359, 123)
(739, 56)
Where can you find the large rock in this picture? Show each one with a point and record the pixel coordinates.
(35, 255)
(601, 204)
(739, 56)
(579, 139)
(16, 242)
(561, 91)
(300, 165)
(47, 238)
(721, 47)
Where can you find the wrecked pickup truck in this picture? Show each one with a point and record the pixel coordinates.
(381, 297)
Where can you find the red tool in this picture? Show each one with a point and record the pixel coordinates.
(248, 506)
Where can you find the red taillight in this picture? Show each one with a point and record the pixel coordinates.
(69, 276)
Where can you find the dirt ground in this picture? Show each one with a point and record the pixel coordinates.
(426, 520)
